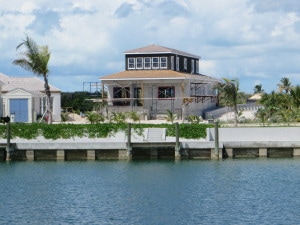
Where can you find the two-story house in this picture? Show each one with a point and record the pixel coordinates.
(157, 79)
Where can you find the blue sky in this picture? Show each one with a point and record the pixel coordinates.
(254, 41)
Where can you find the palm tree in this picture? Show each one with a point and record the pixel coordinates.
(285, 85)
(295, 93)
(170, 117)
(94, 117)
(35, 59)
(134, 116)
(118, 117)
(258, 89)
(229, 93)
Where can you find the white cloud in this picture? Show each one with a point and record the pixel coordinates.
(250, 40)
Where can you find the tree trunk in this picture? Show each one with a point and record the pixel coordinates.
(48, 106)
(235, 112)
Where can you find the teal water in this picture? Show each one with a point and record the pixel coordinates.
(258, 191)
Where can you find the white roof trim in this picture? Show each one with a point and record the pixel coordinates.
(116, 79)
(152, 53)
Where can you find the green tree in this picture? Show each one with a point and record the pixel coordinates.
(295, 93)
(170, 117)
(194, 119)
(258, 89)
(285, 85)
(134, 116)
(271, 103)
(94, 117)
(118, 117)
(228, 94)
(78, 101)
(261, 114)
(35, 59)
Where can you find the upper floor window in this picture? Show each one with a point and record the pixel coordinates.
(131, 63)
(147, 63)
(193, 66)
(163, 62)
(197, 66)
(185, 64)
(172, 62)
(139, 63)
(177, 63)
(155, 63)
(166, 92)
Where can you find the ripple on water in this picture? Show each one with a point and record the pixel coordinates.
(257, 191)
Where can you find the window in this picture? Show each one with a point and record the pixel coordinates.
(193, 66)
(197, 66)
(147, 63)
(139, 63)
(172, 62)
(163, 62)
(119, 93)
(166, 92)
(177, 63)
(131, 63)
(155, 63)
(185, 64)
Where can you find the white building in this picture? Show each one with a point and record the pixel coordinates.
(23, 98)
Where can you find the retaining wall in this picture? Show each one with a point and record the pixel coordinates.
(233, 142)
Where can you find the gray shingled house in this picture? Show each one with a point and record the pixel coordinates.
(157, 79)
(23, 98)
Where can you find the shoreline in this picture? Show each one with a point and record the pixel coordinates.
(232, 143)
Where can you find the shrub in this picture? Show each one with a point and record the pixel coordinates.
(94, 117)
(67, 131)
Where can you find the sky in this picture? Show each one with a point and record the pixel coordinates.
(253, 41)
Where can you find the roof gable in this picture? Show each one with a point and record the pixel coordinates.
(31, 84)
(156, 49)
(18, 92)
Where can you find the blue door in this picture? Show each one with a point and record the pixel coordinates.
(19, 107)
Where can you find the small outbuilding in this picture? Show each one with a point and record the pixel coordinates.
(24, 99)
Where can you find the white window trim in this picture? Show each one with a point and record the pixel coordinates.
(153, 67)
(136, 66)
(160, 62)
(131, 68)
(177, 63)
(185, 63)
(150, 63)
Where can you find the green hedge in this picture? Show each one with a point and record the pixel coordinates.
(66, 131)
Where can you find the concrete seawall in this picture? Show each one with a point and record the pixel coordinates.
(233, 142)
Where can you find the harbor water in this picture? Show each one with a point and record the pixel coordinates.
(253, 191)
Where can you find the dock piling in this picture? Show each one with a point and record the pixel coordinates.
(177, 145)
(8, 149)
(216, 139)
(129, 140)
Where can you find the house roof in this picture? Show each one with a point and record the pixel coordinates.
(155, 75)
(30, 84)
(256, 96)
(155, 49)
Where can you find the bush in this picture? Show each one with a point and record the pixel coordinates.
(101, 130)
(94, 117)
